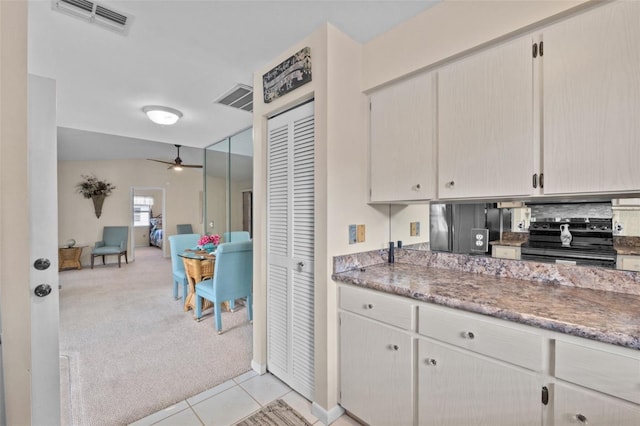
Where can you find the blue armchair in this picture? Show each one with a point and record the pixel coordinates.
(232, 279)
(177, 245)
(184, 228)
(114, 242)
(235, 236)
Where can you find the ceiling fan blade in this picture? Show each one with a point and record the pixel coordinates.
(193, 166)
(161, 161)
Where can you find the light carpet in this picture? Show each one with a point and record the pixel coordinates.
(128, 349)
(278, 413)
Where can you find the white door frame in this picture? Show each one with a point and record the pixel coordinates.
(132, 237)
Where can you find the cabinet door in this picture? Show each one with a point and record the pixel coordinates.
(485, 123)
(375, 371)
(577, 406)
(402, 159)
(456, 387)
(592, 101)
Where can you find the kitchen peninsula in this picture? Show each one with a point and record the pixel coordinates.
(504, 334)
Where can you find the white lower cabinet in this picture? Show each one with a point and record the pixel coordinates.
(457, 387)
(376, 376)
(404, 362)
(574, 406)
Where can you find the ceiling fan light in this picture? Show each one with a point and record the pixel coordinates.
(162, 115)
(177, 167)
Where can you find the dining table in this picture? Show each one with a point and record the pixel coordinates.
(199, 265)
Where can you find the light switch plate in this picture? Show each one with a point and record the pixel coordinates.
(480, 240)
(414, 229)
(352, 234)
(360, 234)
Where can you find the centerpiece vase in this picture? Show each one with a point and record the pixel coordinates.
(98, 200)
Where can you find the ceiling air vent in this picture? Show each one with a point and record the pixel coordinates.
(239, 96)
(94, 13)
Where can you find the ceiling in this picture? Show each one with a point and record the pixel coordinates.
(177, 53)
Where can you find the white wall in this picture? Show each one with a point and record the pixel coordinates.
(76, 215)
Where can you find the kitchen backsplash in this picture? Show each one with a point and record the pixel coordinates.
(575, 276)
(572, 210)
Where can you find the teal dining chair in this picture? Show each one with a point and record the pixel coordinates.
(235, 236)
(232, 279)
(178, 244)
(113, 243)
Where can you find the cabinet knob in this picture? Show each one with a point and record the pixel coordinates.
(581, 419)
(431, 361)
(394, 347)
(451, 184)
(418, 187)
(368, 306)
(468, 335)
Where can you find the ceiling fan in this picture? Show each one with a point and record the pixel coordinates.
(177, 162)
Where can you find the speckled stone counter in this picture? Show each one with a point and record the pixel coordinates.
(606, 316)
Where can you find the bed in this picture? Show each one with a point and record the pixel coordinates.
(155, 232)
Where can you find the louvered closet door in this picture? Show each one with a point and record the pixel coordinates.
(290, 245)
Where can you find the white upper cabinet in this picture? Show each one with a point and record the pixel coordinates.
(591, 83)
(485, 123)
(402, 149)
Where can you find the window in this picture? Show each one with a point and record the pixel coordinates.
(142, 210)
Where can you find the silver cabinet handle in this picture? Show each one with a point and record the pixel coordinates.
(431, 361)
(368, 306)
(468, 335)
(581, 419)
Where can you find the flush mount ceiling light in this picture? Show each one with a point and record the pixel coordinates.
(162, 115)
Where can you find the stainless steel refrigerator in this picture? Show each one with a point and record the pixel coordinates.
(455, 227)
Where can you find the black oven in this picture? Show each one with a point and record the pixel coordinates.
(591, 241)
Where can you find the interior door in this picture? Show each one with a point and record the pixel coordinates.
(290, 248)
(43, 280)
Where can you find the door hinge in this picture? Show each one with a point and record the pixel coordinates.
(541, 49)
(545, 395)
(369, 105)
(534, 49)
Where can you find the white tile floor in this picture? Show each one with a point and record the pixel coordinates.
(232, 401)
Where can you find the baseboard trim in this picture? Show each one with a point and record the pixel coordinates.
(327, 416)
(258, 368)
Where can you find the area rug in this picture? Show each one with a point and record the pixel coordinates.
(128, 348)
(278, 413)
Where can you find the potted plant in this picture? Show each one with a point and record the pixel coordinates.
(92, 187)
(209, 242)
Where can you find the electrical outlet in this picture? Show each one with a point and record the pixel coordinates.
(479, 240)
(414, 229)
(352, 234)
(360, 233)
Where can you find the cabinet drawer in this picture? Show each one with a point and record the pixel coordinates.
(628, 263)
(591, 408)
(505, 343)
(379, 306)
(611, 373)
(506, 252)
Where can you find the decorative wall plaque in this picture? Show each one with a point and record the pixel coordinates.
(287, 76)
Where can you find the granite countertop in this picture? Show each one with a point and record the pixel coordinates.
(600, 315)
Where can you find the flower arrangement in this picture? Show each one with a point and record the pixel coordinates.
(209, 239)
(91, 186)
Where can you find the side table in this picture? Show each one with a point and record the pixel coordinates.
(69, 257)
